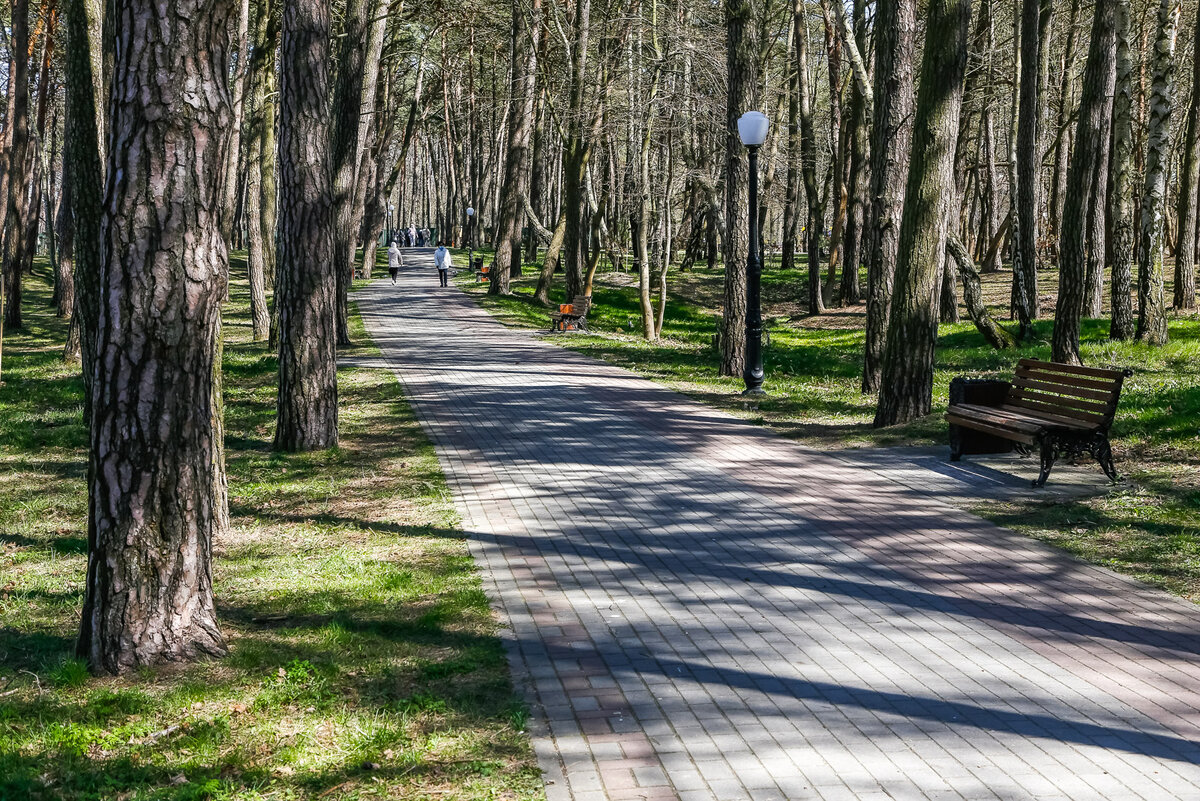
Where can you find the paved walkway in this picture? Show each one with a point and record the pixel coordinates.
(702, 610)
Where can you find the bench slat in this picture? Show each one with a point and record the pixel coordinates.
(1053, 418)
(1067, 381)
(1059, 401)
(1088, 419)
(1053, 386)
(1009, 434)
(1056, 367)
(993, 415)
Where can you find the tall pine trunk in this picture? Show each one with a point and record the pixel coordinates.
(907, 388)
(1121, 199)
(306, 287)
(1152, 313)
(157, 495)
(18, 155)
(1189, 176)
(891, 136)
(1081, 196)
(815, 218)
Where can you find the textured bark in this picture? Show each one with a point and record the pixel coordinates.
(1121, 200)
(575, 156)
(157, 495)
(1066, 100)
(18, 196)
(996, 336)
(859, 122)
(306, 286)
(233, 177)
(1097, 222)
(1189, 177)
(84, 171)
(1029, 159)
(259, 159)
(743, 82)
(1090, 133)
(369, 116)
(64, 223)
(891, 136)
(346, 152)
(791, 202)
(907, 388)
(808, 162)
(1152, 313)
(525, 43)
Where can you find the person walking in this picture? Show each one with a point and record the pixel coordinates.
(394, 261)
(412, 236)
(441, 257)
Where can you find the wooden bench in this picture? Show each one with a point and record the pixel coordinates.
(482, 273)
(1061, 409)
(571, 316)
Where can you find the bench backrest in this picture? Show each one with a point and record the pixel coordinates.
(1086, 394)
(581, 304)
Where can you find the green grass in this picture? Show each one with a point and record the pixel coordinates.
(1147, 527)
(363, 663)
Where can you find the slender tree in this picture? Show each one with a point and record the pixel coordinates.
(1091, 132)
(157, 494)
(1152, 316)
(815, 220)
(1189, 178)
(18, 196)
(1121, 198)
(907, 388)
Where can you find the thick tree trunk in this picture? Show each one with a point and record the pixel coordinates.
(575, 156)
(306, 287)
(891, 136)
(1152, 313)
(18, 195)
(907, 388)
(743, 82)
(525, 43)
(1189, 177)
(1090, 133)
(157, 494)
(1121, 200)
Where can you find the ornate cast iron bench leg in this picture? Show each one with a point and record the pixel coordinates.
(955, 443)
(1103, 453)
(1049, 457)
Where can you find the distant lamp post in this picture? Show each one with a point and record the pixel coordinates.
(391, 226)
(470, 238)
(752, 130)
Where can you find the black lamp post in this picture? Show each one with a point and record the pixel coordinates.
(752, 130)
(470, 238)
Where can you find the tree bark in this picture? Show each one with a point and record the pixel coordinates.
(859, 122)
(815, 221)
(259, 159)
(157, 493)
(891, 136)
(743, 82)
(1184, 296)
(1121, 200)
(18, 196)
(237, 80)
(306, 285)
(525, 44)
(907, 388)
(1090, 133)
(1066, 97)
(1152, 315)
(996, 336)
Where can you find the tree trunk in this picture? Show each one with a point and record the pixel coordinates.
(1066, 98)
(907, 388)
(306, 285)
(743, 83)
(157, 493)
(18, 195)
(345, 155)
(575, 155)
(1097, 222)
(856, 188)
(259, 239)
(525, 43)
(1189, 177)
(1090, 133)
(1152, 315)
(815, 221)
(64, 222)
(996, 336)
(233, 176)
(891, 136)
(1121, 200)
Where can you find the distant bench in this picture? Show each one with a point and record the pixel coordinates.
(1060, 408)
(571, 316)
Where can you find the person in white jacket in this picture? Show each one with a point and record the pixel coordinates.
(441, 257)
(394, 261)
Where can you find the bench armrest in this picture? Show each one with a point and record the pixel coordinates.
(979, 391)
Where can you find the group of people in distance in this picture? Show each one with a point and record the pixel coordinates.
(413, 237)
(441, 259)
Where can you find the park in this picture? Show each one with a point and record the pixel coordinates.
(591, 400)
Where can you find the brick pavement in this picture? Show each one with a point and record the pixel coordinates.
(699, 609)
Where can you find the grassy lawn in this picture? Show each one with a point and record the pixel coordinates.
(1147, 526)
(363, 663)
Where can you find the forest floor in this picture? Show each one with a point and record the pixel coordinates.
(363, 659)
(1147, 526)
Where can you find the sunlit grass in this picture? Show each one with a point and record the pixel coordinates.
(363, 660)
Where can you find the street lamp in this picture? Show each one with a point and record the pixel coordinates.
(470, 238)
(391, 226)
(752, 130)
